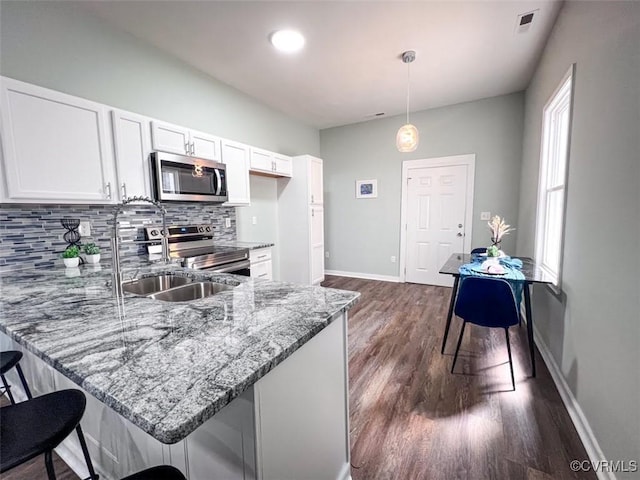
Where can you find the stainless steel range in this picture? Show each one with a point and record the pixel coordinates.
(194, 245)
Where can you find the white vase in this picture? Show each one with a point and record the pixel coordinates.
(95, 258)
(71, 262)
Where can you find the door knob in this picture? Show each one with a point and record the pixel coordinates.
(459, 234)
(459, 225)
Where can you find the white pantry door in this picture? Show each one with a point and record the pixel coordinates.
(436, 215)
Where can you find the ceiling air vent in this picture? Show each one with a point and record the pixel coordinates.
(525, 20)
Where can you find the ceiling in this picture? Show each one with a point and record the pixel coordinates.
(350, 68)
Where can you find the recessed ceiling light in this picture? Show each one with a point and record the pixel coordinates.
(288, 41)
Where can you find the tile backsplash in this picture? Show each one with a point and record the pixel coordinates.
(32, 235)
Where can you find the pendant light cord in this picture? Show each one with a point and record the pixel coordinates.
(408, 79)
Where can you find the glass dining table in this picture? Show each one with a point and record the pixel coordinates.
(532, 274)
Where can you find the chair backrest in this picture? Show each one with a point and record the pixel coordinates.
(489, 302)
(479, 250)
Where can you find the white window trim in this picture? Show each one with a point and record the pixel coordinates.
(544, 188)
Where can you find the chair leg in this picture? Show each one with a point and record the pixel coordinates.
(455, 357)
(7, 388)
(513, 382)
(92, 473)
(24, 382)
(48, 461)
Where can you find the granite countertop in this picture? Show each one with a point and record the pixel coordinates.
(167, 367)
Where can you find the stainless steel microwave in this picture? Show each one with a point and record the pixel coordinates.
(181, 178)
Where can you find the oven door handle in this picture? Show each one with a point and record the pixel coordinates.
(230, 267)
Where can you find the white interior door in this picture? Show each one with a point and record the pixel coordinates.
(435, 221)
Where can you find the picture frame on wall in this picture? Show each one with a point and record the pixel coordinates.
(367, 188)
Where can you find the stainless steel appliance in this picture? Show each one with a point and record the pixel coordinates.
(188, 179)
(193, 244)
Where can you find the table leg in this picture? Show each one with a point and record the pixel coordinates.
(527, 308)
(452, 302)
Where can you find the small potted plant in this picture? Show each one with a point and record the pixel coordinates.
(71, 256)
(92, 253)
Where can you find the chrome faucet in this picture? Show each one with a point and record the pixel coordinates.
(115, 239)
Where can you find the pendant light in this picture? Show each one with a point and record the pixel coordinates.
(407, 137)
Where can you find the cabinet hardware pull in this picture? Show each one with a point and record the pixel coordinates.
(313, 213)
(262, 275)
(108, 190)
(262, 256)
(187, 148)
(193, 148)
(124, 191)
(312, 198)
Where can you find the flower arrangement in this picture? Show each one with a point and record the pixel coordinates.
(498, 229)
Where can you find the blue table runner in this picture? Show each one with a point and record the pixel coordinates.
(512, 272)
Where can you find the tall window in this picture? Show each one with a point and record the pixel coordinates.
(553, 178)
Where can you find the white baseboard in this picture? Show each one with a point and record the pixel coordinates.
(578, 418)
(366, 276)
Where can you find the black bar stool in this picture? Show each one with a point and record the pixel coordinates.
(163, 472)
(8, 360)
(37, 426)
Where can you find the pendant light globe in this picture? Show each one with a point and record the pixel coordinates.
(407, 138)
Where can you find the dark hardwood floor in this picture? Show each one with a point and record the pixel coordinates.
(413, 420)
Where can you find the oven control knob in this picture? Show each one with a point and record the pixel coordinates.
(201, 229)
(208, 229)
(154, 233)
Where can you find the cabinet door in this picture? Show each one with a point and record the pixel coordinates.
(283, 165)
(236, 157)
(132, 145)
(261, 160)
(170, 138)
(204, 145)
(262, 270)
(317, 244)
(56, 147)
(315, 181)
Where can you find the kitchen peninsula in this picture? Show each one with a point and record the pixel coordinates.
(248, 383)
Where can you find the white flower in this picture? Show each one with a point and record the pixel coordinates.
(498, 228)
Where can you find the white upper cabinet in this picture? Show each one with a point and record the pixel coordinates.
(55, 146)
(132, 146)
(236, 158)
(269, 163)
(183, 141)
(315, 181)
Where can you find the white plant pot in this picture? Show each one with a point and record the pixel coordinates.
(71, 262)
(95, 258)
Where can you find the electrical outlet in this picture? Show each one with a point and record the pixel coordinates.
(227, 222)
(326, 254)
(485, 215)
(254, 220)
(85, 229)
(393, 259)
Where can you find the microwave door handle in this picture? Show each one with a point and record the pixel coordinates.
(218, 182)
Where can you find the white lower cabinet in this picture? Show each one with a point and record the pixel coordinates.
(56, 147)
(261, 263)
(291, 424)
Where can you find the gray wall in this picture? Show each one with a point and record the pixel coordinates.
(593, 330)
(54, 45)
(362, 235)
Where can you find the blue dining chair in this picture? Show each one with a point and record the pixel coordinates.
(488, 302)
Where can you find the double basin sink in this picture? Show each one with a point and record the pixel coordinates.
(171, 288)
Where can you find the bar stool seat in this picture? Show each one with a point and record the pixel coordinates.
(162, 472)
(37, 426)
(8, 360)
